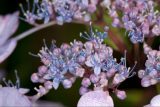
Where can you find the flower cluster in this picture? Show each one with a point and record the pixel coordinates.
(59, 10)
(93, 61)
(151, 74)
(139, 17)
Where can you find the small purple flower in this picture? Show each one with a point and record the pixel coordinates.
(95, 62)
(150, 75)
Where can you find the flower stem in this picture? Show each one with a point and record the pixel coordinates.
(32, 30)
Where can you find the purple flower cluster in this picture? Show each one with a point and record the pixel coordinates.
(59, 10)
(93, 61)
(139, 17)
(151, 74)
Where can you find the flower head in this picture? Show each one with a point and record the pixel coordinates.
(93, 61)
(150, 75)
(139, 17)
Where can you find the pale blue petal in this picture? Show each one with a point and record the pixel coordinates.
(88, 63)
(56, 83)
(97, 70)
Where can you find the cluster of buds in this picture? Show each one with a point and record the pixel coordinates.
(139, 17)
(92, 61)
(59, 10)
(151, 74)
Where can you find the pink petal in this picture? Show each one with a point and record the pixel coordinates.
(8, 25)
(7, 49)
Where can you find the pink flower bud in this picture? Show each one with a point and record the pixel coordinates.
(121, 94)
(42, 90)
(145, 82)
(34, 78)
(83, 90)
(67, 83)
(42, 69)
(86, 82)
(94, 78)
(48, 85)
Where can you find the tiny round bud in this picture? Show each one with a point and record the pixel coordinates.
(42, 69)
(42, 90)
(121, 94)
(86, 82)
(103, 82)
(57, 51)
(67, 83)
(94, 78)
(48, 85)
(145, 82)
(83, 90)
(45, 61)
(34, 78)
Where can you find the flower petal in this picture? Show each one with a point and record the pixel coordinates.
(97, 70)
(8, 25)
(7, 49)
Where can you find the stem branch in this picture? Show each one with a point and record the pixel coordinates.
(32, 30)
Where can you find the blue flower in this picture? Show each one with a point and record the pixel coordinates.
(94, 62)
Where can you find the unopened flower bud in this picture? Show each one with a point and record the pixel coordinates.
(42, 69)
(48, 85)
(83, 90)
(34, 78)
(145, 82)
(86, 82)
(94, 78)
(67, 83)
(121, 94)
